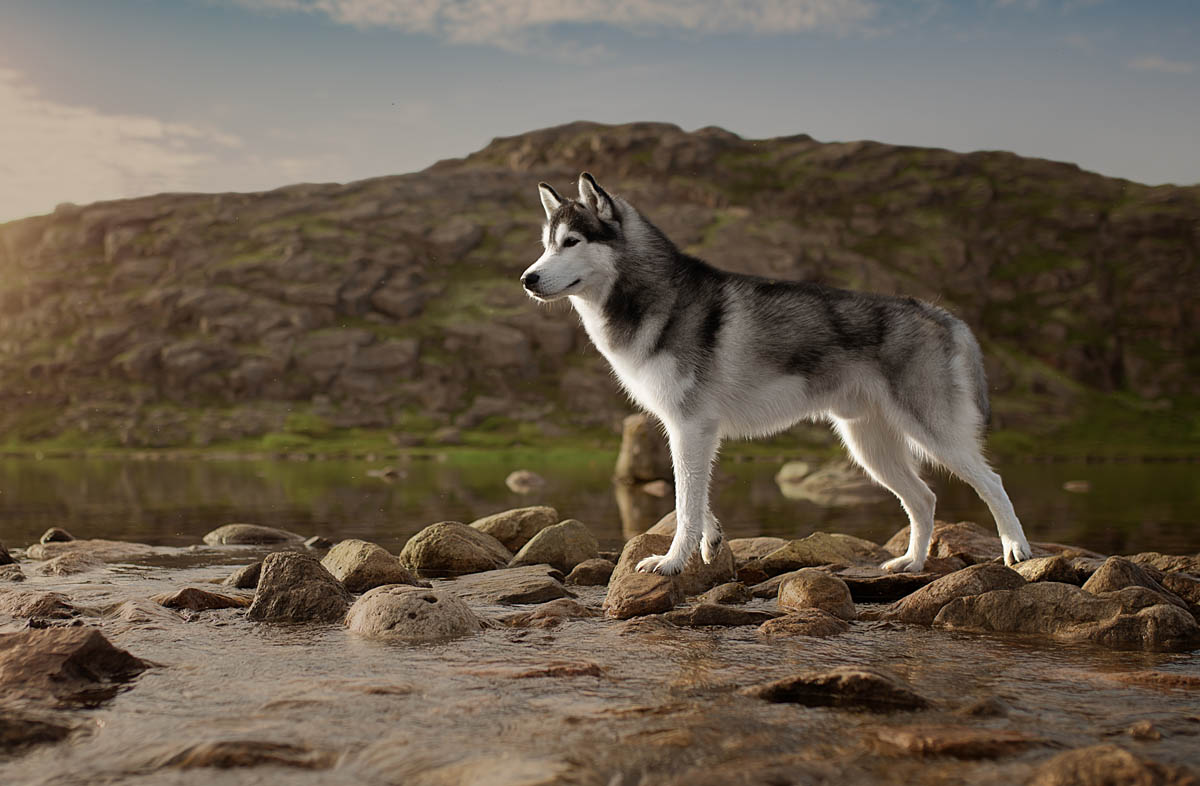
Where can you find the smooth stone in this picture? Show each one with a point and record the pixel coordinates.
(638, 594)
(696, 576)
(960, 742)
(529, 584)
(96, 548)
(244, 577)
(563, 545)
(143, 611)
(845, 686)
(56, 535)
(294, 587)
(805, 622)
(548, 615)
(592, 572)
(194, 599)
(1118, 573)
(250, 535)
(823, 548)
(746, 550)
(77, 665)
(718, 615)
(922, 606)
(450, 548)
(514, 528)
(361, 566)
(809, 588)
(730, 593)
(400, 612)
(1107, 765)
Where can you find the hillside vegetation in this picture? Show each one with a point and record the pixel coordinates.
(389, 309)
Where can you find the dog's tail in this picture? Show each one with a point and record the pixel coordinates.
(972, 360)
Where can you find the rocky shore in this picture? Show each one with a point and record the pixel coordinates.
(513, 650)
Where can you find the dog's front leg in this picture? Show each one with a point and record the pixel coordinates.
(693, 447)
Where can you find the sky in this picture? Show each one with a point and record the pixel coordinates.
(103, 99)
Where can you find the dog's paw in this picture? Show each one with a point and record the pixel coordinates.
(904, 564)
(660, 564)
(711, 549)
(1015, 549)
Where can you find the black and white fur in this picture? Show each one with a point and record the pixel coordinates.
(715, 354)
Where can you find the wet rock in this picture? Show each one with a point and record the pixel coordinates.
(922, 606)
(514, 528)
(74, 665)
(361, 566)
(35, 604)
(245, 577)
(746, 550)
(810, 588)
(805, 622)
(194, 599)
(250, 535)
(696, 576)
(838, 484)
(227, 754)
(1184, 585)
(97, 548)
(1165, 680)
(318, 543)
(1144, 730)
(451, 548)
(638, 594)
(141, 611)
(5, 557)
(1056, 568)
(11, 573)
(987, 707)
(845, 686)
(876, 585)
(966, 540)
(1107, 765)
(563, 545)
(730, 593)
(1168, 562)
(959, 742)
(295, 587)
(411, 614)
(530, 584)
(1131, 618)
(524, 481)
(644, 455)
(56, 535)
(19, 729)
(1117, 573)
(548, 615)
(69, 564)
(592, 572)
(823, 548)
(716, 614)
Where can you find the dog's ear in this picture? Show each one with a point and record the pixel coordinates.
(596, 199)
(551, 201)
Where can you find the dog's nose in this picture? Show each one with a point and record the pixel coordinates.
(530, 280)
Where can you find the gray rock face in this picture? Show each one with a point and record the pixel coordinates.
(411, 614)
(361, 566)
(846, 686)
(638, 594)
(805, 622)
(1107, 765)
(531, 584)
(251, 535)
(717, 615)
(450, 548)
(68, 664)
(810, 588)
(245, 577)
(1117, 573)
(1131, 618)
(823, 548)
(563, 545)
(923, 605)
(592, 572)
(747, 549)
(294, 587)
(644, 455)
(696, 576)
(515, 527)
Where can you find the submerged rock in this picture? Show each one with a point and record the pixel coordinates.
(715, 614)
(19, 728)
(226, 754)
(76, 665)
(961, 742)
(529, 584)
(805, 622)
(250, 535)
(548, 615)
(696, 576)
(1108, 765)
(514, 528)
(845, 686)
(361, 566)
(810, 588)
(823, 548)
(194, 599)
(451, 548)
(96, 548)
(592, 572)
(638, 594)
(35, 604)
(69, 564)
(294, 587)
(411, 614)
(244, 578)
(56, 535)
(923, 605)
(563, 545)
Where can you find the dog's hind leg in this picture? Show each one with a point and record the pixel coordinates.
(693, 448)
(883, 453)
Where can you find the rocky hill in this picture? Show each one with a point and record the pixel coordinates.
(391, 306)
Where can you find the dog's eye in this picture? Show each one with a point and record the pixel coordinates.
(571, 241)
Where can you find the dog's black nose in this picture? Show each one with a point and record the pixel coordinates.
(530, 280)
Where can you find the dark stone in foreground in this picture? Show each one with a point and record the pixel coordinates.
(294, 587)
(716, 614)
(845, 686)
(73, 665)
(1108, 765)
(530, 584)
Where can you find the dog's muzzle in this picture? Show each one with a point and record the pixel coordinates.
(529, 281)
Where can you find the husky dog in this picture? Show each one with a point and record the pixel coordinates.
(715, 355)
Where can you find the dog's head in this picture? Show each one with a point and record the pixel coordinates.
(579, 238)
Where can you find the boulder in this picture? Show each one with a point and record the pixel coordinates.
(696, 576)
(806, 622)
(411, 614)
(845, 686)
(1108, 765)
(67, 664)
(1117, 573)
(531, 584)
(748, 549)
(729, 593)
(717, 615)
(515, 527)
(839, 484)
(35, 604)
(69, 564)
(823, 548)
(563, 545)
(548, 615)
(97, 549)
(810, 588)
(1056, 568)
(1130, 618)
(250, 535)
(295, 587)
(244, 577)
(194, 599)
(644, 455)
(361, 566)
(922, 606)
(592, 572)
(638, 594)
(56, 535)
(450, 548)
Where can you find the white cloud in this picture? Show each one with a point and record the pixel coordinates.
(1161, 64)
